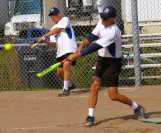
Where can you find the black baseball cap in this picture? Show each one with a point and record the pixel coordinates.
(108, 12)
(54, 11)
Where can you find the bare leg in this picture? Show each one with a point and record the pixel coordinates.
(93, 95)
(67, 70)
(65, 73)
(116, 96)
(93, 98)
(60, 73)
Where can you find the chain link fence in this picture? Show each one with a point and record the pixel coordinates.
(19, 66)
(150, 23)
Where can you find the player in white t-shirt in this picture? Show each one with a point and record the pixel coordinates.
(63, 35)
(106, 38)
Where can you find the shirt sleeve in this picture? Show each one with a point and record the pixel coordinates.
(106, 41)
(91, 37)
(90, 49)
(63, 23)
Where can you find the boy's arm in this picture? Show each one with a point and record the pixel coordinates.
(90, 38)
(93, 36)
(82, 44)
(54, 32)
(88, 50)
(58, 28)
(100, 43)
(50, 33)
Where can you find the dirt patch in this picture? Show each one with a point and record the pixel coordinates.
(44, 112)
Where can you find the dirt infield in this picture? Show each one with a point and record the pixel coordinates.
(44, 112)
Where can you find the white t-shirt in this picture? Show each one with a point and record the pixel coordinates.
(109, 39)
(65, 40)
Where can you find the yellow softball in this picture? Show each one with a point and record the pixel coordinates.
(8, 46)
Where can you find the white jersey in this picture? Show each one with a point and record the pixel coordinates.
(65, 40)
(109, 39)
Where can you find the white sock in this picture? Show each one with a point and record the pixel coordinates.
(66, 84)
(91, 112)
(134, 105)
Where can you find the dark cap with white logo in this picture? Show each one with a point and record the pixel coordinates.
(108, 12)
(54, 11)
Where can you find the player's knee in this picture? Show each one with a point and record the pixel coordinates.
(96, 80)
(95, 86)
(58, 72)
(66, 65)
(94, 90)
(113, 96)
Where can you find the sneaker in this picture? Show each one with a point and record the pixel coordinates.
(90, 121)
(140, 112)
(72, 87)
(64, 93)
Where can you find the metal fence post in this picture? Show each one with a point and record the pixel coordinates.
(136, 40)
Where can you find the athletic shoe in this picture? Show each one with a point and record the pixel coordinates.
(90, 121)
(140, 112)
(72, 87)
(64, 93)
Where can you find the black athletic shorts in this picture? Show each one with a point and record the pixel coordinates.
(59, 59)
(108, 69)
